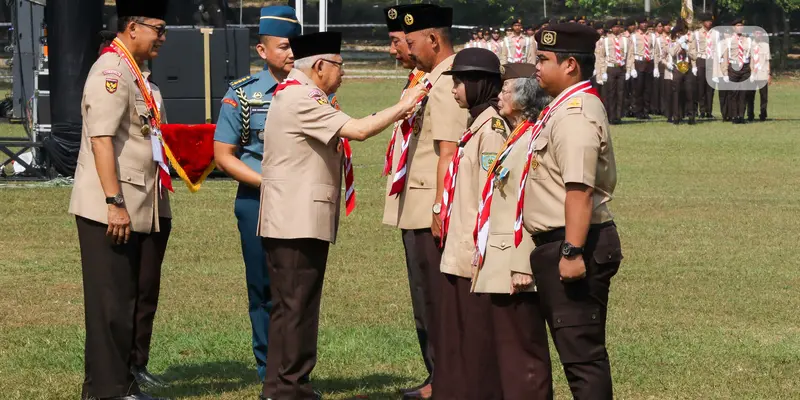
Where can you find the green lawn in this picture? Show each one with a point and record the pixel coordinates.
(705, 304)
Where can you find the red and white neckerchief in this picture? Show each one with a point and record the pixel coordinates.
(518, 49)
(618, 51)
(480, 234)
(741, 49)
(154, 119)
(349, 176)
(583, 87)
(413, 79)
(647, 48)
(407, 127)
(708, 45)
(450, 184)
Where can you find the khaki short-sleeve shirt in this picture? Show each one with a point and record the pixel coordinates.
(441, 119)
(573, 147)
(301, 172)
(479, 153)
(113, 106)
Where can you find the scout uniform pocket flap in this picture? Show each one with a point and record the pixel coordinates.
(131, 175)
(323, 193)
(502, 241)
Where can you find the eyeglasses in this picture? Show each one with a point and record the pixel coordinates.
(161, 30)
(337, 63)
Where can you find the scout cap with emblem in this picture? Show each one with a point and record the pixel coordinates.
(156, 9)
(568, 38)
(315, 44)
(518, 70)
(475, 60)
(279, 21)
(420, 18)
(704, 16)
(394, 15)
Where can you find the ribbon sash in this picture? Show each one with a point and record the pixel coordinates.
(413, 79)
(450, 184)
(407, 127)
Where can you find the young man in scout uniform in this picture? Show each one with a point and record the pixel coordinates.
(238, 149)
(419, 182)
(304, 150)
(683, 53)
(666, 67)
(417, 279)
(761, 75)
(495, 44)
(571, 178)
(645, 59)
(705, 40)
(474, 41)
(518, 48)
(616, 64)
(121, 204)
(466, 367)
(736, 69)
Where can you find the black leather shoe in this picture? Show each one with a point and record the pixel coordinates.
(691, 121)
(139, 396)
(145, 379)
(762, 117)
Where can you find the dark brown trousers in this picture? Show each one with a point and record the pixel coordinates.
(419, 265)
(763, 95)
(642, 87)
(615, 92)
(296, 272)
(683, 89)
(120, 290)
(737, 98)
(576, 311)
(466, 368)
(705, 92)
(523, 355)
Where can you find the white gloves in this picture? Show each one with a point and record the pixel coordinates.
(627, 76)
(694, 71)
(605, 77)
(715, 79)
(634, 74)
(752, 78)
(600, 82)
(685, 46)
(656, 74)
(726, 79)
(670, 66)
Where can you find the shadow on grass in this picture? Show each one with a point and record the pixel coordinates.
(373, 386)
(213, 378)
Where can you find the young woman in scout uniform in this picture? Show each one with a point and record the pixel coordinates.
(465, 365)
(684, 58)
(571, 176)
(517, 324)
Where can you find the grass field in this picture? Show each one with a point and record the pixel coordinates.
(704, 307)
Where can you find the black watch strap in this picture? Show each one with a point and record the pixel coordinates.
(568, 250)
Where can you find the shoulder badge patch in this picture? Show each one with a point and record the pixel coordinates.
(111, 85)
(575, 102)
(487, 159)
(112, 72)
(319, 96)
(241, 82)
(230, 102)
(497, 124)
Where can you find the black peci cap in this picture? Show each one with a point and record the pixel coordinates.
(518, 70)
(703, 16)
(419, 18)
(394, 15)
(315, 44)
(475, 60)
(598, 25)
(568, 38)
(738, 21)
(142, 8)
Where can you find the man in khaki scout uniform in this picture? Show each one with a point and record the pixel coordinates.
(736, 68)
(616, 65)
(645, 59)
(436, 131)
(121, 205)
(517, 324)
(706, 41)
(684, 58)
(467, 368)
(518, 47)
(761, 75)
(417, 281)
(667, 66)
(571, 179)
(300, 191)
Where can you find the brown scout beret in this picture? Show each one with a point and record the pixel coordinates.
(567, 38)
(518, 70)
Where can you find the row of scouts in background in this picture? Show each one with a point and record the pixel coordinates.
(654, 67)
(498, 180)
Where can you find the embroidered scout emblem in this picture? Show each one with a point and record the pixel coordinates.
(111, 85)
(409, 20)
(487, 159)
(230, 102)
(258, 95)
(534, 163)
(392, 14)
(502, 70)
(319, 96)
(497, 125)
(549, 38)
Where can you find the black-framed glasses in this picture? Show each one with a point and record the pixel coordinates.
(161, 30)
(337, 63)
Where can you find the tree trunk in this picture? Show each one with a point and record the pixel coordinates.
(785, 47)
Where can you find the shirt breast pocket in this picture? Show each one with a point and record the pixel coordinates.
(140, 118)
(258, 119)
(537, 171)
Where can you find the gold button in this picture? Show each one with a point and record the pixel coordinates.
(422, 183)
(503, 244)
(329, 197)
(128, 179)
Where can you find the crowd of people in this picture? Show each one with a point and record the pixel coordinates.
(654, 66)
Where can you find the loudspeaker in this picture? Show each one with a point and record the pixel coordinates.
(178, 69)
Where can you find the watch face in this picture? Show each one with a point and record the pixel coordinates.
(437, 208)
(565, 249)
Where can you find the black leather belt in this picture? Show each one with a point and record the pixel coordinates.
(558, 235)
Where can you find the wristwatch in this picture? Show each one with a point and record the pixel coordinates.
(568, 250)
(437, 208)
(116, 200)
